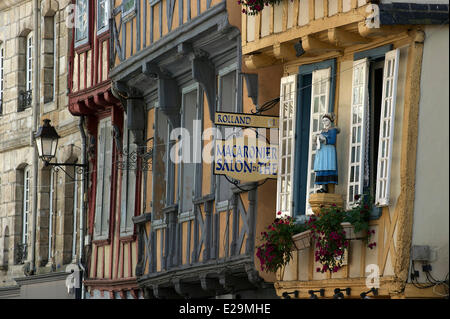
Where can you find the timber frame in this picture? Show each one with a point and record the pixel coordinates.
(182, 256)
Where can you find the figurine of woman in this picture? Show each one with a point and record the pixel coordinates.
(325, 162)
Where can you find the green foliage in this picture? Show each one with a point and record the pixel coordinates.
(327, 232)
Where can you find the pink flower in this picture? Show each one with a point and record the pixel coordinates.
(318, 269)
(279, 213)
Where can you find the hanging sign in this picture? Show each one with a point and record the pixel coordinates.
(246, 159)
(246, 120)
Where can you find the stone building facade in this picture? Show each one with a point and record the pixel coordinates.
(58, 192)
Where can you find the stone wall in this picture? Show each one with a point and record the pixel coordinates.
(17, 146)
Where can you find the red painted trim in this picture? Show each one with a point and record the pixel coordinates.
(130, 259)
(112, 284)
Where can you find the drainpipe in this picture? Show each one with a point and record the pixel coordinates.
(83, 201)
(35, 123)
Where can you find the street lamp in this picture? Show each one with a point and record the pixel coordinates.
(46, 143)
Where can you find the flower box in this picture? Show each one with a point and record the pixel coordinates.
(302, 240)
(350, 231)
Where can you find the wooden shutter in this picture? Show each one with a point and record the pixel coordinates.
(358, 119)
(107, 181)
(320, 94)
(124, 196)
(387, 119)
(285, 178)
(100, 173)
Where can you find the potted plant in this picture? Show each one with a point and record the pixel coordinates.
(276, 250)
(329, 237)
(356, 223)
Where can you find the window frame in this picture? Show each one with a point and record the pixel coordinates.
(104, 28)
(373, 55)
(233, 67)
(103, 234)
(303, 71)
(26, 203)
(127, 229)
(195, 87)
(288, 211)
(131, 12)
(86, 40)
(29, 62)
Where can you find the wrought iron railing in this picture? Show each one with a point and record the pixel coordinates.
(25, 99)
(139, 158)
(21, 253)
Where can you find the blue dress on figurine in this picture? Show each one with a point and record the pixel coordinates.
(325, 162)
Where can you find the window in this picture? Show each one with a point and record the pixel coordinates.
(304, 98)
(2, 56)
(25, 214)
(29, 68)
(52, 215)
(81, 22)
(102, 16)
(49, 62)
(190, 169)
(372, 119)
(128, 8)
(319, 106)
(288, 97)
(163, 167)
(77, 202)
(387, 127)
(104, 174)
(227, 103)
(128, 198)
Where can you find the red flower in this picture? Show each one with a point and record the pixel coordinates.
(318, 269)
(279, 213)
(356, 197)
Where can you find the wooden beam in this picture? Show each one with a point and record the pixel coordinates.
(315, 46)
(256, 61)
(341, 38)
(382, 31)
(284, 51)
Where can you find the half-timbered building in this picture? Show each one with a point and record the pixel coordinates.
(175, 63)
(110, 243)
(376, 66)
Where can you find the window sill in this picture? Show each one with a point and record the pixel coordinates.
(101, 242)
(82, 48)
(127, 238)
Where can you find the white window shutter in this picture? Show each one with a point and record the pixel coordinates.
(286, 149)
(357, 141)
(320, 95)
(387, 119)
